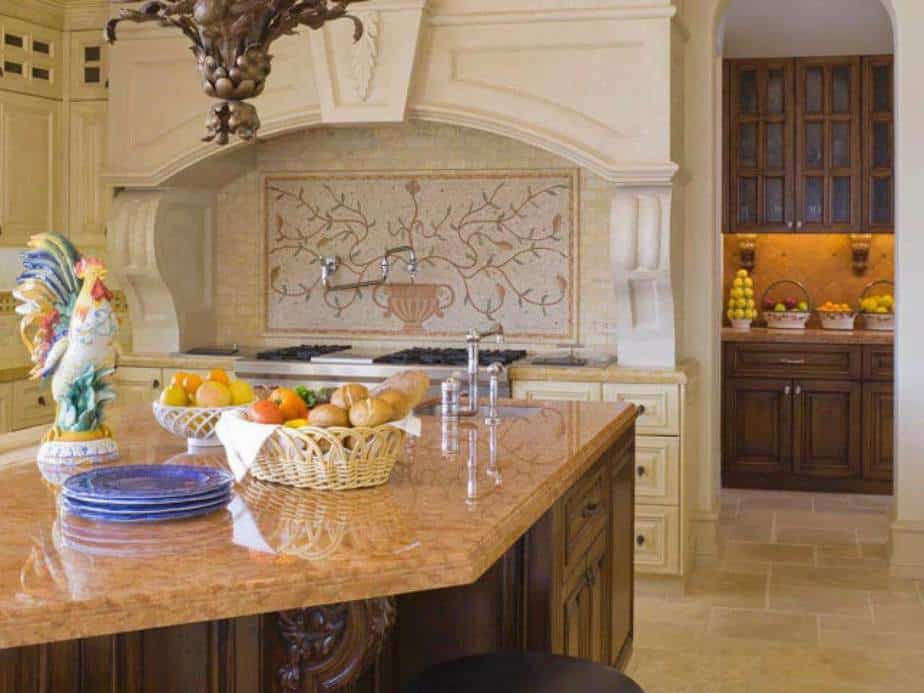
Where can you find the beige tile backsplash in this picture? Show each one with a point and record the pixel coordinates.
(412, 147)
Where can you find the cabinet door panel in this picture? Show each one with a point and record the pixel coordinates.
(759, 155)
(878, 431)
(757, 426)
(878, 144)
(622, 532)
(827, 125)
(827, 429)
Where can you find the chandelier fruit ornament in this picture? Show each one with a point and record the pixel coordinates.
(231, 40)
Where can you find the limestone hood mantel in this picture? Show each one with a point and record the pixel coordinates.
(589, 83)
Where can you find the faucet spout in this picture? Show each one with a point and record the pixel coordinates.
(473, 344)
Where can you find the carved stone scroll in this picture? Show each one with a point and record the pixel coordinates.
(333, 644)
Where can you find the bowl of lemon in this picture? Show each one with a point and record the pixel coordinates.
(878, 309)
(190, 406)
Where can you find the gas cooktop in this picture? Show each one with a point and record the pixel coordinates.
(302, 352)
(450, 357)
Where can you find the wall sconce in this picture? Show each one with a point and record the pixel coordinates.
(860, 244)
(747, 250)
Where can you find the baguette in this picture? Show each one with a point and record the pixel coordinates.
(348, 394)
(398, 400)
(412, 384)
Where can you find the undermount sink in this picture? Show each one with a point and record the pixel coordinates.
(504, 412)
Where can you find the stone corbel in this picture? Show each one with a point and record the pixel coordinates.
(369, 80)
(640, 256)
(160, 244)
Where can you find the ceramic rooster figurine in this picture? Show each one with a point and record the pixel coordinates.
(68, 326)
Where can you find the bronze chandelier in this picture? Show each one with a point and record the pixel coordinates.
(231, 40)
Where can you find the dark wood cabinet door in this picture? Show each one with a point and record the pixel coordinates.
(757, 430)
(878, 427)
(828, 134)
(827, 423)
(878, 145)
(586, 606)
(759, 145)
(622, 569)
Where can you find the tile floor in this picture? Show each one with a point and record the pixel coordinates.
(800, 600)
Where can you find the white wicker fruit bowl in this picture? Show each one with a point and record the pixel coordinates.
(324, 459)
(836, 319)
(741, 323)
(787, 319)
(196, 424)
(881, 322)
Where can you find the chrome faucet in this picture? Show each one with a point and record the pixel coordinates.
(473, 342)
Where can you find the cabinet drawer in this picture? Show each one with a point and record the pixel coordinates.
(552, 390)
(32, 404)
(585, 513)
(661, 402)
(879, 363)
(657, 470)
(657, 539)
(793, 361)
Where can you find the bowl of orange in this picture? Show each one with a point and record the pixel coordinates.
(190, 406)
(836, 316)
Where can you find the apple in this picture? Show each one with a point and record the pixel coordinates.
(779, 308)
(769, 303)
(803, 306)
(790, 303)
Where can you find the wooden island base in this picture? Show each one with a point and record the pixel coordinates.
(565, 586)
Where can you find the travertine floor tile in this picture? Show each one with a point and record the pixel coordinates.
(769, 553)
(720, 588)
(764, 625)
(860, 578)
(819, 600)
(847, 556)
(804, 535)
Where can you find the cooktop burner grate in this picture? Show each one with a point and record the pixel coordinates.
(302, 352)
(450, 357)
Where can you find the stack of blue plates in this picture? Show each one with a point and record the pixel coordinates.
(146, 492)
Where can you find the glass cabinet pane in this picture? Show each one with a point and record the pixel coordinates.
(882, 89)
(882, 201)
(840, 200)
(774, 207)
(776, 101)
(747, 92)
(774, 145)
(814, 145)
(882, 145)
(840, 145)
(747, 201)
(814, 199)
(747, 145)
(814, 88)
(840, 98)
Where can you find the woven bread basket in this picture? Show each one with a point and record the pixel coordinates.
(330, 459)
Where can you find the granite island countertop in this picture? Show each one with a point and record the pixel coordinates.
(277, 547)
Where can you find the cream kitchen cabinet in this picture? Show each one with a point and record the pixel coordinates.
(135, 385)
(662, 543)
(32, 195)
(6, 407)
(88, 66)
(31, 403)
(89, 198)
(30, 58)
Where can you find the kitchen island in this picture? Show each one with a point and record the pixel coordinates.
(526, 548)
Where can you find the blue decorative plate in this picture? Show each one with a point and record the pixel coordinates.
(160, 509)
(103, 516)
(146, 482)
(153, 504)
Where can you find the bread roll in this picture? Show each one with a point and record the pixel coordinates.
(371, 412)
(348, 394)
(398, 400)
(326, 415)
(413, 384)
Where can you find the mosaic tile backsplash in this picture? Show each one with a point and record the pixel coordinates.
(492, 245)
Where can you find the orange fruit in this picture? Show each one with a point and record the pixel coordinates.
(218, 375)
(290, 403)
(178, 378)
(191, 383)
(266, 412)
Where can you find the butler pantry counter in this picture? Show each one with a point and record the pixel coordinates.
(807, 336)
(476, 544)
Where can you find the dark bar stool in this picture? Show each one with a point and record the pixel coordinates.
(521, 673)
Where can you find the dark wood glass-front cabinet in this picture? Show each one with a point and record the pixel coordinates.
(808, 145)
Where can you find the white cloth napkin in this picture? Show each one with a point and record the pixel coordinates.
(243, 439)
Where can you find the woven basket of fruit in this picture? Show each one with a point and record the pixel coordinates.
(836, 316)
(190, 406)
(878, 310)
(788, 313)
(353, 441)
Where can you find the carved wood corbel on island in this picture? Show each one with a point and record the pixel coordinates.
(292, 590)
